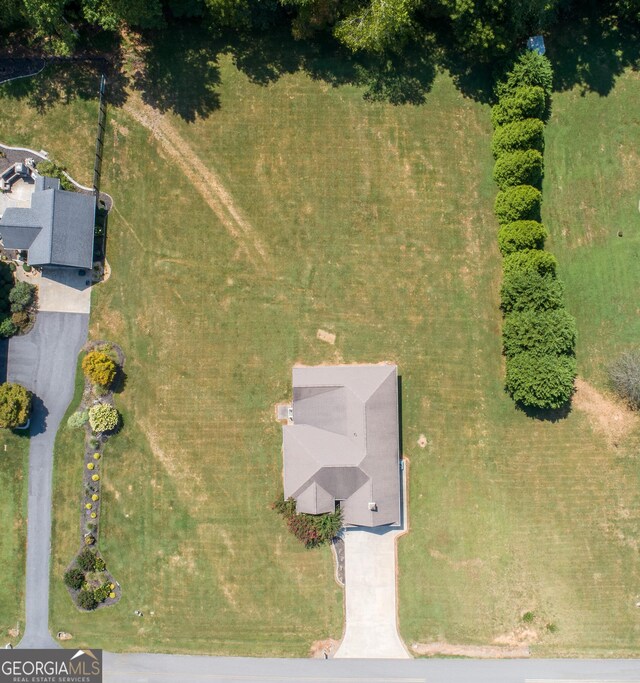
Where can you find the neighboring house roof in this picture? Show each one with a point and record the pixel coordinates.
(56, 230)
(344, 443)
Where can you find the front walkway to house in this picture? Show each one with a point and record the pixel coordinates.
(371, 630)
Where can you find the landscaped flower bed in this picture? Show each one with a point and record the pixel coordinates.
(89, 583)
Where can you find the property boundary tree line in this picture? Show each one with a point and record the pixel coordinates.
(538, 334)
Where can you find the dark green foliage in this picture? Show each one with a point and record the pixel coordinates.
(526, 102)
(15, 405)
(21, 296)
(522, 290)
(522, 167)
(87, 560)
(87, 599)
(520, 203)
(521, 235)
(541, 381)
(102, 593)
(100, 565)
(547, 332)
(7, 328)
(20, 319)
(624, 375)
(311, 530)
(74, 578)
(54, 170)
(531, 69)
(526, 134)
(530, 260)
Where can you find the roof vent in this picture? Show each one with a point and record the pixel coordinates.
(373, 507)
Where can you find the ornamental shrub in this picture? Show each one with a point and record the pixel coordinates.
(21, 296)
(546, 332)
(87, 560)
(311, 530)
(103, 418)
(15, 405)
(520, 203)
(99, 368)
(528, 261)
(521, 235)
(525, 102)
(523, 290)
(7, 328)
(95, 477)
(522, 167)
(100, 564)
(624, 375)
(530, 68)
(87, 599)
(74, 578)
(525, 134)
(102, 593)
(78, 420)
(543, 381)
(90, 465)
(20, 318)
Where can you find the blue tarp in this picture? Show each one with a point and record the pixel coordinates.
(536, 44)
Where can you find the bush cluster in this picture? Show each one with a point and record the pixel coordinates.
(74, 578)
(14, 301)
(524, 102)
(311, 530)
(538, 335)
(624, 375)
(103, 418)
(521, 235)
(55, 170)
(15, 405)
(99, 368)
(525, 134)
(522, 167)
(87, 560)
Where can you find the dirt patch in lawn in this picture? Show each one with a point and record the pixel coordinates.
(606, 415)
(474, 651)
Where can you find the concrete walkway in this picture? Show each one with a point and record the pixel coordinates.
(44, 361)
(370, 596)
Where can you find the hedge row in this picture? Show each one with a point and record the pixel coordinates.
(538, 335)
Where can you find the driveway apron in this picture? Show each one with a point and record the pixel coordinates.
(44, 361)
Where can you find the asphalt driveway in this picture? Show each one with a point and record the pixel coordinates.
(44, 361)
(370, 596)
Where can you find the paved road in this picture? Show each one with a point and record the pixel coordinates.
(141, 668)
(370, 595)
(44, 361)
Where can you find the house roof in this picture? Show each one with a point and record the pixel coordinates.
(56, 230)
(344, 442)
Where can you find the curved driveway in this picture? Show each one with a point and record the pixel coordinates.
(44, 361)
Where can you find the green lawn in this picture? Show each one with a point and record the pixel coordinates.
(14, 460)
(302, 207)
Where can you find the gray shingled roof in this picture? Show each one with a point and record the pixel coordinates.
(343, 443)
(56, 230)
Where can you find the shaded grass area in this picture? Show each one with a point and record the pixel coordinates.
(375, 223)
(14, 462)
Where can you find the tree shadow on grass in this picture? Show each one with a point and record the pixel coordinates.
(592, 50)
(556, 415)
(181, 71)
